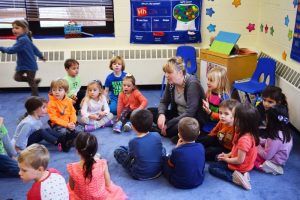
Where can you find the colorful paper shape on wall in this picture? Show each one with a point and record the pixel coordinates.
(224, 42)
(261, 27)
(250, 27)
(295, 52)
(284, 55)
(236, 3)
(272, 30)
(210, 11)
(165, 21)
(211, 28)
(290, 34)
(266, 28)
(295, 2)
(286, 20)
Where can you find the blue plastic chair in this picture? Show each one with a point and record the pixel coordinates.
(188, 54)
(265, 67)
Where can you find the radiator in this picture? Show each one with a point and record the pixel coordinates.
(289, 81)
(144, 64)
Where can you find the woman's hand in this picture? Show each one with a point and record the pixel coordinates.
(161, 121)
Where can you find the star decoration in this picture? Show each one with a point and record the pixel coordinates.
(211, 28)
(250, 27)
(295, 2)
(210, 11)
(286, 20)
(236, 3)
(266, 28)
(261, 27)
(284, 55)
(290, 34)
(272, 30)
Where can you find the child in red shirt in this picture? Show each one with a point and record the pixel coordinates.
(235, 165)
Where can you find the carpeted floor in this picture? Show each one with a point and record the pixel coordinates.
(264, 186)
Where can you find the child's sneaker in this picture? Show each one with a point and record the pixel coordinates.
(242, 180)
(110, 123)
(127, 127)
(272, 168)
(89, 128)
(59, 147)
(117, 127)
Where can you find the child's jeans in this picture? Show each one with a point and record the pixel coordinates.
(220, 169)
(113, 105)
(8, 167)
(47, 134)
(121, 154)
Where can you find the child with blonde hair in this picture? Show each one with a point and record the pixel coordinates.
(235, 165)
(130, 99)
(217, 91)
(95, 111)
(89, 178)
(26, 55)
(113, 82)
(62, 115)
(48, 184)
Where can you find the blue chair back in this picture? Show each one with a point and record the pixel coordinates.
(188, 54)
(267, 67)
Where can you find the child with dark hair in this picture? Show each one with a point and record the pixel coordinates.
(274, 151)
(235, 165)
(74, 92)
(271, 96)
(8, 155)
(220, 138)
(185, 167)
(89, 178)
(30, 130)
(26, 55)
(143, 157)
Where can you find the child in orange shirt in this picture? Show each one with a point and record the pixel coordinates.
(220, 138)
(62, 114)
(129, 100)
(234, 166)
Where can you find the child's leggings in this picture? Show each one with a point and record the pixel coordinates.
(98, 123)
(29, 78)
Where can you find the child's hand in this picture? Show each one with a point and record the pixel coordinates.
(179, 142)
(74, 97)
(101, 114)
(1, 120)
(205, 106)
(71, 126)
(222, 156)
(93, 116)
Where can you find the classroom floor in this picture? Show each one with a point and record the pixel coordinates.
(264, 186)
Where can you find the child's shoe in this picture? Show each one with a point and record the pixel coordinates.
(127, 127)
(110, 123)
(242, 180)
(89, 128)
(272, 168)
(117, 127)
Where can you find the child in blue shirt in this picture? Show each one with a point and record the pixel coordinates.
(143, 157)
(113, 82)
(184, 168)
(26, 52)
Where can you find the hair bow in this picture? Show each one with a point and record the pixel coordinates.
(283, 119)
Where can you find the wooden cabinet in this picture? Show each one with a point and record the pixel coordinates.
(238, 66)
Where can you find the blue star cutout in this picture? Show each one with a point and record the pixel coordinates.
(286, 20)
(295, 2)
(211, 28)
(210, 11)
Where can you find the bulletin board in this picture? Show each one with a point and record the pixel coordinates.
(165, 21)
(295, 53)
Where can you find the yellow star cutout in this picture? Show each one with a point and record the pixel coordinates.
(284, 55)
(236, 3)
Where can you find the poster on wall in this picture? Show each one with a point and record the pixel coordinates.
(165, 21)
(295, 53)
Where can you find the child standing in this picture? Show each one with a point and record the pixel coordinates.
(26, 52)
(271, 96)
(130, 99)
(8, 155)
(29, 130)
(143, 157)
(217, 91)
(49, 184)
(113, 82)
(74, 92)
(62, 114)
(185, 167)
(95, 110)
(220, 138)
(274, 151)
(235, 166)
(89, 178)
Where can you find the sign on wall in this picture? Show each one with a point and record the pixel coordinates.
(295, 53)
(165, 21)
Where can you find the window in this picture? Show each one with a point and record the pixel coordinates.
(49, 17)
